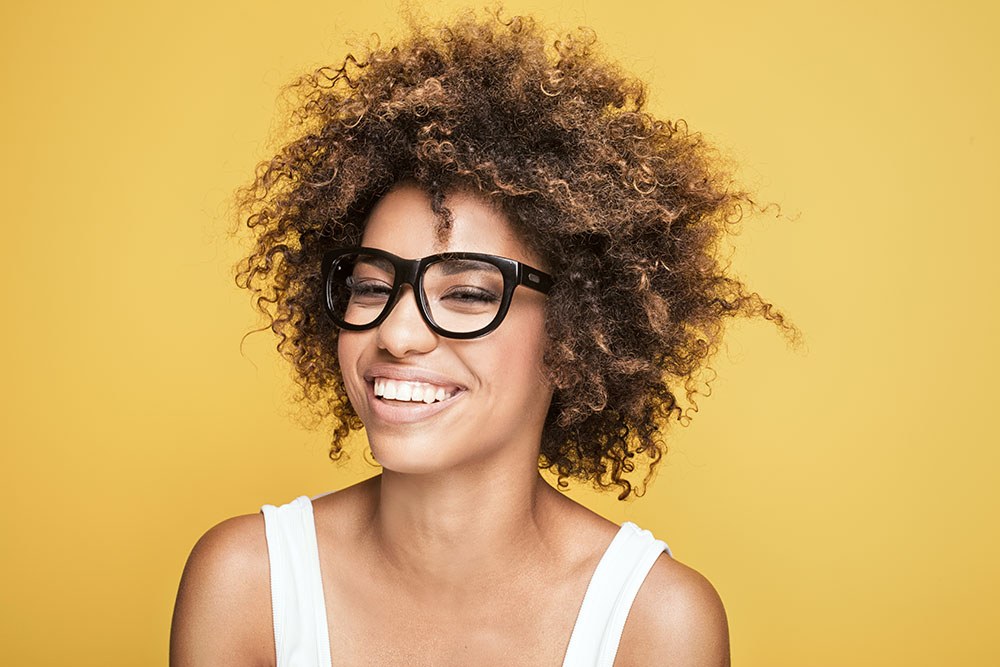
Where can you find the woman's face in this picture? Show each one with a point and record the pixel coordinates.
(496, 397)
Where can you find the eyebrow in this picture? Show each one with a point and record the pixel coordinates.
(378, 262)
(453, 266)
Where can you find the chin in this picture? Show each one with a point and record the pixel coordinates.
(408, 455)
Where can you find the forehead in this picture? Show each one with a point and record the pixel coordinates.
(404, 224)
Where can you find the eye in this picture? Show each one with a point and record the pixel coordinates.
(368, 289)
(470, 294)
(467, 286)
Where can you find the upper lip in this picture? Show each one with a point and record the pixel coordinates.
(410, 374)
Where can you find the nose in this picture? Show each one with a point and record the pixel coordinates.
(403, 331)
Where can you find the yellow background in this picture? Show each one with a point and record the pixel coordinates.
(842, 499)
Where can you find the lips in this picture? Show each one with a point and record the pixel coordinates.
(407, 394)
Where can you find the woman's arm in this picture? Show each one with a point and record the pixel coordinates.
(677, 620)
(223, 610)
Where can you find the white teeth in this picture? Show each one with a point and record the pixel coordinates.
(417, 392)
(404, 391)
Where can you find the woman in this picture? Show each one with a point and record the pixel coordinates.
(492, 259)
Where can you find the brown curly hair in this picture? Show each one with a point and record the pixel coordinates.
(627, 210)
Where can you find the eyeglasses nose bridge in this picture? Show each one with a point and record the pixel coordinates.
(408, 272)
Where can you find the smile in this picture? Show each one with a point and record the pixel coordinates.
(400, 411)
(415, 392)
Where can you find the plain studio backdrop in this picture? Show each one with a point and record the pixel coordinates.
(842, 498)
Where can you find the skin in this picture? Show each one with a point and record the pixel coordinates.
(440, 560)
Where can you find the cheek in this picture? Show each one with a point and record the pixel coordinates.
(535, 336)
(518, 360)
(349, 346)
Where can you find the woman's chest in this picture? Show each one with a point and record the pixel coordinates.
(383, 625)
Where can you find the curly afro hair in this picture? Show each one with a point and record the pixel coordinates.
(627, 210)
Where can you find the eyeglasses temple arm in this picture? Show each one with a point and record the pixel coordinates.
(534, 278)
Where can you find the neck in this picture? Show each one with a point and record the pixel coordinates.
(455, 534)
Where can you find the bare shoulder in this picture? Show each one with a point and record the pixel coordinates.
(222, 614)
(677, 619)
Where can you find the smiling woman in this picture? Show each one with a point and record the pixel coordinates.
(484, 252)
(498, 398)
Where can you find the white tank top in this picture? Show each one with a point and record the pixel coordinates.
(300, 624)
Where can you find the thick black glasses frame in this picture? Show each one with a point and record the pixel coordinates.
(411, 272)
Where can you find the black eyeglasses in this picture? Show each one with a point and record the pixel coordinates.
(459, 294)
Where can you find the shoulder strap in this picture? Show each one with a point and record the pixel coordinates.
(609, 597)
(300, 624)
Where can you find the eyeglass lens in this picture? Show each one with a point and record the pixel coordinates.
(462, 295)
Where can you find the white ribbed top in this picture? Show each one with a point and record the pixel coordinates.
(300, 628)
(301, 638)
(613, 587)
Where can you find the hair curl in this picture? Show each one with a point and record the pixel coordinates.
(627, 210)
